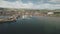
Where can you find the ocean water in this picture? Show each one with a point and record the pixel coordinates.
(33, 25)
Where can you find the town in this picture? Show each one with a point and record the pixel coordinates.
(12, 14)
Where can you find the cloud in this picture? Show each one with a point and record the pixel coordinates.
(29, 5)
(55, 1)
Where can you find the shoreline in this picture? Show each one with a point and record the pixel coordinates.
(14, 18)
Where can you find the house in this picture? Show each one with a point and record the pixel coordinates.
(50, 13)
(57, 12)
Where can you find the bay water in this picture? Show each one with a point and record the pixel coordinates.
(33, 25)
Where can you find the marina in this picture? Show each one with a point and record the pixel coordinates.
(13, 18)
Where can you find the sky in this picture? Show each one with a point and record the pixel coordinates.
(31, 4)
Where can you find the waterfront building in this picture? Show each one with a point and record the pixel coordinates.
(50, 13)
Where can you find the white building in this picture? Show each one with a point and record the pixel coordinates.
(50, 13)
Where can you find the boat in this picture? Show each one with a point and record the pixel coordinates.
(26, 16)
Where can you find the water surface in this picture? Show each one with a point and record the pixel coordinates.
(34, 25)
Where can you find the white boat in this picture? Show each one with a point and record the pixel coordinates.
(26, 17)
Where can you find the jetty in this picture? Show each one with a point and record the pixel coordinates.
(9, 19)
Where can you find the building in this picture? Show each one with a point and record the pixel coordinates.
(50, 13)
(57, 12)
